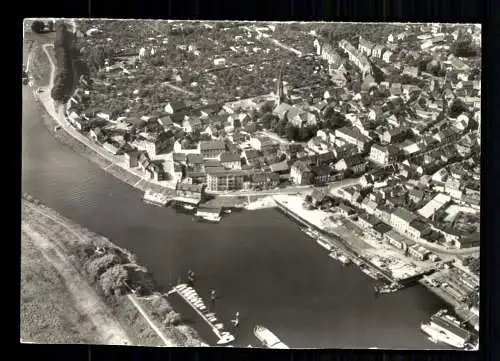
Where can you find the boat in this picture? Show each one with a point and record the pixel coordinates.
(227, 211)
(225, 338)
(268, 339)
(156, 199)
(357, 261)
(344, 259)
(210, 218)
(367, 271)
(388, 288)
(57, 127)
(324, 244)
(310, 232)
(445, 328)
(334, 255)
(189, 207)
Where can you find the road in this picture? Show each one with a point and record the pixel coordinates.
(274, 136)
(58, 115)
(289, 190)
(170, 85)
(278, 43)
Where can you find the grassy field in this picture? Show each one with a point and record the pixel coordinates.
(48, 311)
(115, 318)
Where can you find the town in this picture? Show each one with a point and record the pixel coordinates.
(368, 135)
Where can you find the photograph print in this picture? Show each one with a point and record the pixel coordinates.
(251, 184)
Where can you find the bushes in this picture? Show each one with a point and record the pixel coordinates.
(98, 266)
(63, 82)
(113, 282)
(172, 319)
(38, 26)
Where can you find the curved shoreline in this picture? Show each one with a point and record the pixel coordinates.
(70, 261)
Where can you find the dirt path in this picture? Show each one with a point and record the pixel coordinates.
(46, 243)
(86, 299)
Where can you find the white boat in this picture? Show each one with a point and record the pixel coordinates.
(324, 244)
(211, 218)
(344, 259)
(389, 288)
(227, 211)
(268, 339)
(225, 339)
(188, 207)
(310, 232)
(445, 328)
(437, 336)
(157, 199)
(180, 287)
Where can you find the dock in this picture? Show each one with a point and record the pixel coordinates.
(192, 299)
(338, 243)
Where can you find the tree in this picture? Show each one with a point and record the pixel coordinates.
(281, 127)
(37, 26)
(172, 318)
(463, 47)
(50, 25)
(113, 281)
(98, 266)
(308, 198)
(291, 132)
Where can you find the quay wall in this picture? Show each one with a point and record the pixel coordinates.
(338, 242)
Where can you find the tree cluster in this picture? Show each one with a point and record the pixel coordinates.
(63, 82)
(463, 46)
(38, 26)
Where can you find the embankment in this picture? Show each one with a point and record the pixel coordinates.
(99, 276)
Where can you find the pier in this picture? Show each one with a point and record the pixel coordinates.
(216, 326)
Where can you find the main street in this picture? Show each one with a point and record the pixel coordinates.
(329, 188)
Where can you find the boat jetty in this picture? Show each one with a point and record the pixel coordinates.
(268, 339)
(209, 214)
(157, 199)
(190, 295)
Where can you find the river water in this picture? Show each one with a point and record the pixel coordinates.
(259, 262)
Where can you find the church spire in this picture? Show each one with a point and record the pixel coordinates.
(279, 84)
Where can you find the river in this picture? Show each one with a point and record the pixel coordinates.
(259, 262)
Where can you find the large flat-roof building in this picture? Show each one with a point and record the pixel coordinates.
(224, 180)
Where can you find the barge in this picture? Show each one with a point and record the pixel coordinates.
(154, 198)
(268, 339)
(445, 328)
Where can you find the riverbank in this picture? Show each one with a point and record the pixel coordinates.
(118, 318)
(341, 233)
(49, 314)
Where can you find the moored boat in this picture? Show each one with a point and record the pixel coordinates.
(388, 288)
(156, 199)
(344, 259)
(445, 328)
(268, 339)
(324, 244)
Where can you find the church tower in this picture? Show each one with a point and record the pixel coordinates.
(279, 87)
